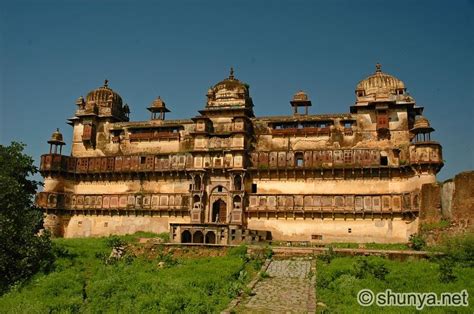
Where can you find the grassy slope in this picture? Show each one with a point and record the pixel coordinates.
(81, 282)
(337, 284)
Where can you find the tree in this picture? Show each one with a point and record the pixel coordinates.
(23, 249)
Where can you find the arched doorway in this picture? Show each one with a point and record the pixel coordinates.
(219, 211)
(211, 237)
(198, 237)
(186, 236)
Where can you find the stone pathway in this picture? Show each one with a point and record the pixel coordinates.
(288, 289)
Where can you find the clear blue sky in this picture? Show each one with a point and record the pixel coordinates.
(54, 51)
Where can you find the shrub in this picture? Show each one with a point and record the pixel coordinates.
(417, 242)
(365, 267)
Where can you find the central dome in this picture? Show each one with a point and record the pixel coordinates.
(103, 96)
(229, 92)
(380, 83)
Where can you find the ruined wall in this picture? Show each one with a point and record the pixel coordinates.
(452, 200)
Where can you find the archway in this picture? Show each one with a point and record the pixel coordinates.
(198, 237)
(186, 236)
(211, 237)
(219, 211)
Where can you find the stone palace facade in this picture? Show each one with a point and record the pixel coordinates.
(226, 176)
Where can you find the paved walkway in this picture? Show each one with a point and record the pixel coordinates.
(288, 289)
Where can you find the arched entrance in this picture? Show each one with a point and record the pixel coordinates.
(186, 236)
(219, 211)
(198, 237)
(211, 237)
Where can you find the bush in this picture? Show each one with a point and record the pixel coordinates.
(417, 242)
(365, 267)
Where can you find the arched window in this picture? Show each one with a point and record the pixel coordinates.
(237, 202)
(196, 202)
(211, 237)
(198, 237)
(186, 236)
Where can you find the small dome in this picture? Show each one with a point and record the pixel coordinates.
(158, 105)
(421, 123)
(380, 82)
(104, 95)
(300, 96)
(56, 138)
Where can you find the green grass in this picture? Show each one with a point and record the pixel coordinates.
(82, 282)
(435, 225)
(339, 281)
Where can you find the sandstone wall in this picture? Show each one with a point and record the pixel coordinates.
(338, 230)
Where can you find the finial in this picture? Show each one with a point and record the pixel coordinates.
(106, 83)
(57, 130)
(231, 76)
(378, 68)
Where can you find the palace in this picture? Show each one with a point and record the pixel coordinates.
(226, 176)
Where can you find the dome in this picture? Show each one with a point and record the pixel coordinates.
(300, 96)
(229, 92)
(380, 83)
(230, 83)
(56, 138)
(104, 95)
(158, 105)
(421, 123)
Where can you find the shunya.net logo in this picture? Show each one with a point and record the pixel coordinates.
(367, 297)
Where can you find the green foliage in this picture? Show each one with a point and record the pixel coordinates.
(115, 242)
(436, 225)
(81, 282)
(446, 270)
(459, 249)
(23, 252)
(328, 255)
(238, 251)
(339, 281)
(417, 242)
(374, 267)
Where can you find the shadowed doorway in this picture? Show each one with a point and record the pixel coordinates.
(219, 211)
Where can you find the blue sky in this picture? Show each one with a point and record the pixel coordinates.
(52, 52)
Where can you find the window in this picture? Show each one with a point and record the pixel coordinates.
(254, 188)
(142, 160)
(383, 161)
(347, 124)
(349, 230)
(316, 237)
(219, 188)
(106, 224)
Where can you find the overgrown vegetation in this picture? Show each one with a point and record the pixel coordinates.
(156, 280)
(340, 278)
(23, 251)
